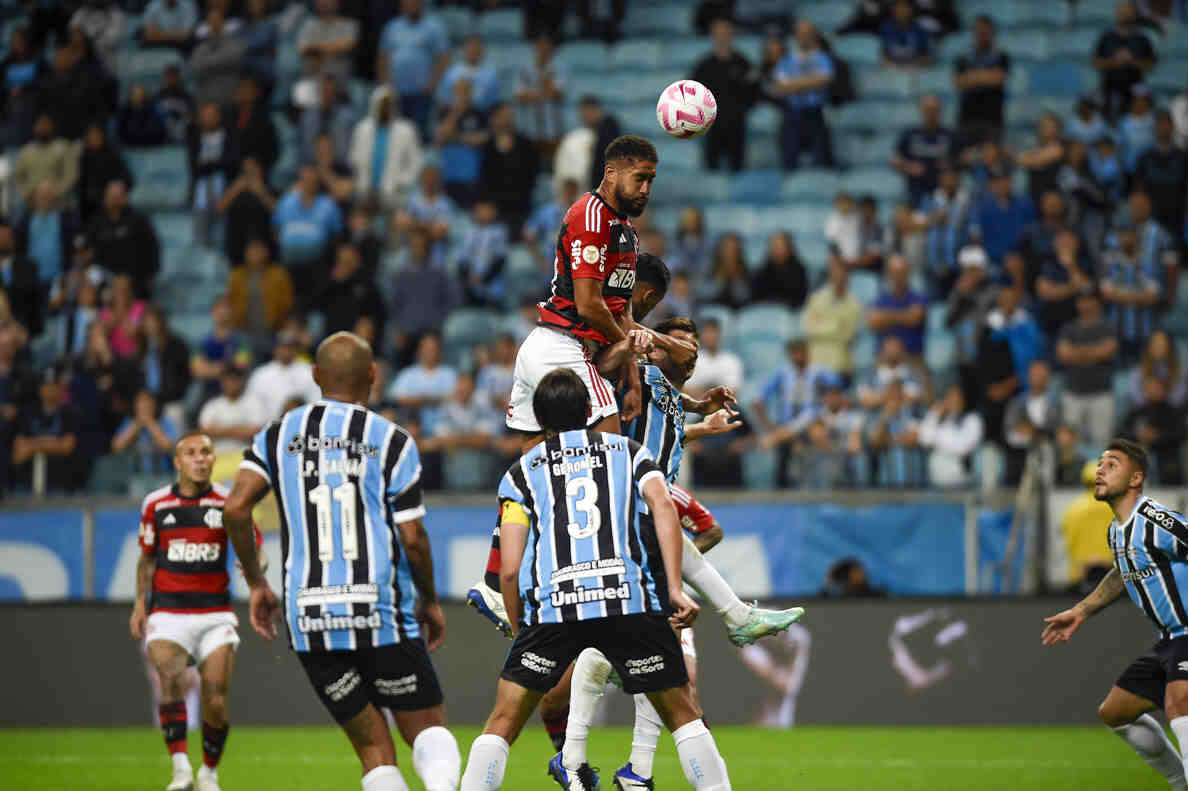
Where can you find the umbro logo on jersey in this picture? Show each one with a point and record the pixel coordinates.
(169, 519)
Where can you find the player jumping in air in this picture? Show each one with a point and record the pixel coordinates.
(661, 429)
(1150, 546)
(601, 572)
(359, 598)
(183, 604)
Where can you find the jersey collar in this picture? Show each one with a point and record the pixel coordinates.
(606, 203)
(1137, 504)
(202, 493)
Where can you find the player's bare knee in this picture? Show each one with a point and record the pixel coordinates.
(1114, 713)
(1175, 703)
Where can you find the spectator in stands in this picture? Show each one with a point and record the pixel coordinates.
(260, 295)
(968, 303)
(1086, 201)
(46, 158)
(335, 177)
(385, 152)
(1162, 172)
(104, 380)
(461, 133)
(217, 61)
(1064, 273)
(1001, 217)
(46, 235)
(802, 78)
(175, 103)
(1179, 114)
(1122, 56)
(782, 277)
(1087, 350)
(333, 115)
(996, 377)
(414, 53)
(306, 222)
(474, 69)
(729, 76)
(892, 433)
(481, 257)
(1131, 290)
(1136, 129)
(922, 150)
(348, 292)
(1043, 162)
(330, 36)
(432, 212)
(168, 23)
(1105, 164)
(147, 435)
(540, 96)
(868, 16)
(50, 428)
(831, 322)
(715, 365)
(540, 232)
(833, 453)
(253, 134)
(727, 284)
(1032, 417)
(361, 231)
(231, 23)
(601, 20)
(848, 579)
(74, 295)
(1010, 321)
(248, 205)
(103, 25)
(21, 72)
(952, 434)
(18, 394)
(893, 365)
(233, 417)
(980, 78)
(1161, 361)
(426, 385)
(854, 233)
(78, 91)
(509, 167)
(418, 293)
(946, 211)
(212, 160)
(140, 124)
(788, 392)
(218, 350)
(899, 310)
(260, 35)
(1037, 243)
(908, 235)
(494, 381)
(543, 18)
(124, 239)
(904, 43)
(1160, 426)
(20, 283)
(100, 163)
(466, 421)
(691, 250)
(1087, 124)
(164, 358)
(121, 317)
(284, 378)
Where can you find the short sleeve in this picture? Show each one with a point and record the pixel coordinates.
(587, 239)
(509, 491)
(405, 498)
(147, 533)
(1169, 524)
(643, 464)
(255, 456)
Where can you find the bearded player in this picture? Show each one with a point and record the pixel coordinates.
(183, 605)
(1150, 546)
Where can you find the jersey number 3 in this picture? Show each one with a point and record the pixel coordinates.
(586, 492)
(323, 499)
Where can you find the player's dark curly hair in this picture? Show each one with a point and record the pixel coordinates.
(561, 402)
(682, 323)
(653, 271)
(630, 147)
(1133, 451)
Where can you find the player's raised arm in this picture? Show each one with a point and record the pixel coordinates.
(1061, 626)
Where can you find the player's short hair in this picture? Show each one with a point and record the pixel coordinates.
(630, 147)
(1133, 451)
(653, 271)
(682, 323)
(561, 401)
(196, 432)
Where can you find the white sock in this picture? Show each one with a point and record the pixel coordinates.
(700, 760)
(590, 672)
(486, 764)
(384, 778)
(1147, 738)
(646, 736)
(436, 759)
(696, 571)
(1179, 727)
(181, 763)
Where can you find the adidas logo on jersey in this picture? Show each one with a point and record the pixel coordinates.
(169, 519)
(182, 551)
(582, 595)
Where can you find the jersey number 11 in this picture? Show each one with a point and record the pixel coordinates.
(344, 494)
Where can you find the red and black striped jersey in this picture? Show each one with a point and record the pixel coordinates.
(598, 243)
(186, 537)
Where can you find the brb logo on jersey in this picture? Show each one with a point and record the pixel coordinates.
(183, 551)
(622, 278)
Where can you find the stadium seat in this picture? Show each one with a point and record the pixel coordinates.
(764, 118)
(192, 327)
(954, 45)
(875, 82)
(706, 188)
(634, 56)
(857, 50)
(767, 323)
(174, 228)
(724, 317)
(759, 469)
(146, 66)
(1070, 43)
(519, 259)
(467, 470)
(1054, 78)
(110, 474)
(864, 353)
(458, 21)
(678, 154)
(760, 356)
(655, 19)
(884, 183)
(860, 151)
(502, 25)
(161, 178)
(1169, 75)
(1028, 44)
(940, 351)
(826, 16)
(810, 184)
(864, 286)
(464, 329)
(814, 254)
(584, 57)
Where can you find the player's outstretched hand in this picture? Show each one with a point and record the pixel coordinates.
(432, 621)
(137, 621)
(1061, 626)
(641, 341)
(686, 610)
(632, 406)
(723, 421)
(265, 610)
(720, 397)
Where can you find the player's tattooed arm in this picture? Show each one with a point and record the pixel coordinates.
(1106, 592)
(249, 489)
(145, 565)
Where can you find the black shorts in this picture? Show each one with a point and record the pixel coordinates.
(643, 649)
(1149, 675)
(399, 677)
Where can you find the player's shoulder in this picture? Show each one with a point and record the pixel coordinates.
(156, 496)
(588, 213)
(220, 491)
(1161, 515)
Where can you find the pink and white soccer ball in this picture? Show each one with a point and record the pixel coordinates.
(686, 109)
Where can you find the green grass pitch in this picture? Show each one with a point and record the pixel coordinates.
(809, 758)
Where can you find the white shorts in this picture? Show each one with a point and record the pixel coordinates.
(545, 350)
(687, 646)
(198, 633)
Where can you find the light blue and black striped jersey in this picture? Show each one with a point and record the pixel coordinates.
(1151, 553)
(660, 426)
(592, 550)
(344, 478)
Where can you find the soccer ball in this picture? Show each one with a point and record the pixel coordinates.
(686, 109)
